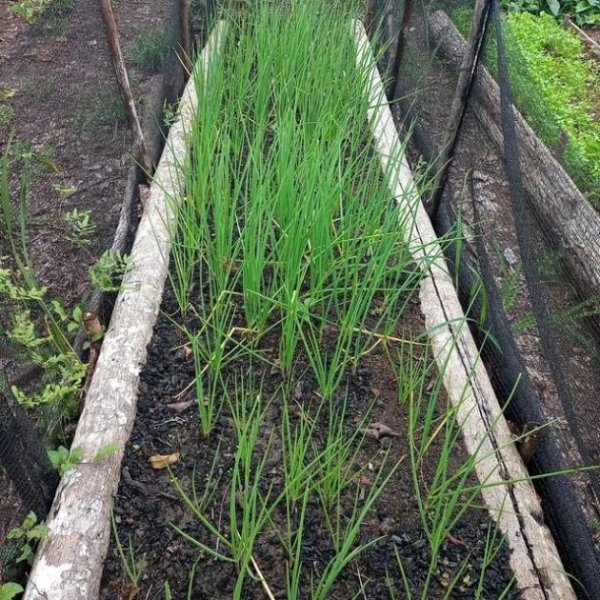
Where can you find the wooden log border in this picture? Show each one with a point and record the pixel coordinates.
(559, 206)
(514, 506)
(68, 564)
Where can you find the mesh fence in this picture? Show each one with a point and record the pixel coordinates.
(535, 319)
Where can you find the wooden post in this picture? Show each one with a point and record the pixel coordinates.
(186, 40)
(459, 102)
(112, 38)
(399, 50)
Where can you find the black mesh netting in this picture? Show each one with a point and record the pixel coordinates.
(27, 477)
(536, 323)
(23, 456)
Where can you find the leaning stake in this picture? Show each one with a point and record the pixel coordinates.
(68, 564)
(459, 102)
(112, 37)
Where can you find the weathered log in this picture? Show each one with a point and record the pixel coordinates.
(563, 212)
(466, 75)
(510, 497)
(68, 564)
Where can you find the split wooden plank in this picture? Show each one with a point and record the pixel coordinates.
(515, 506)
(68, 564)
(564, 213)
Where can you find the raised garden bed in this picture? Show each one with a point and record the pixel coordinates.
(314, 419)
(312, 430)
(302, 358)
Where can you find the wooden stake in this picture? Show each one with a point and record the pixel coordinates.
(399, 51)
(593, 45)
(459, 103)
(186, 40)
(112, 38)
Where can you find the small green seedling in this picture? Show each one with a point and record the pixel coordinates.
(28, 534)
(108, 271)
(10, 590)
(106, 451)
(64, 460)
(80, 226)
(65, 191)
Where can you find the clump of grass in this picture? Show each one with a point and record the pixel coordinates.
(6, 117)
(105, 110)
(149, 50)
(452, 489)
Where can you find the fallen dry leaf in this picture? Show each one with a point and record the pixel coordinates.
(161, 461)
(179, 407)
(378, 431)
(455, 541)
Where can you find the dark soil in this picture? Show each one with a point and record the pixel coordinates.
(58, 80)
(147, 505)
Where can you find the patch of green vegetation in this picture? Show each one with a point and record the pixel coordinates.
(561, 96)
(6, 118)
(80, 227)
(583, 12)
(28, 534)
(150, 49)
(37, 11)
(30, 10)
(40, 327)
(108, 271)
(106, 110)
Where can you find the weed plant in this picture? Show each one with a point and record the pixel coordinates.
(149, 50)
(48, 346)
